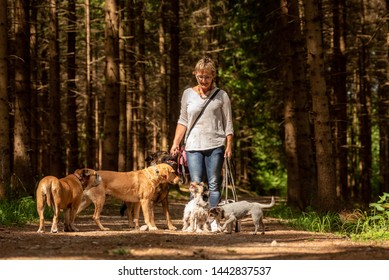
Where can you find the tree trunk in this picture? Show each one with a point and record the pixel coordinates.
(72, 125)
(365, 115)
(290, 140)
(122, 162)
(22, 176)
(5, 154)
(338, 76)
(131, 84)
(140, 148)
(91, 154)
(383, 97)
(111, 110)
(55, 151)
(303, 103)
(163, 78)
(326, 177)
(173, 99)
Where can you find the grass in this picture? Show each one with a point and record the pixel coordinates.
(356, 224)
(18, 212)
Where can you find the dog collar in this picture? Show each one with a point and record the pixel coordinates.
(78, 176)
(79, 179)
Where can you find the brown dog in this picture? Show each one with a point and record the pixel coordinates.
(65, 193)
(161, 194)
(134, 186)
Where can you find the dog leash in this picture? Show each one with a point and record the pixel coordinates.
(228, 179)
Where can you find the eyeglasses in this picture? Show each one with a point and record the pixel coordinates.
(201, 77)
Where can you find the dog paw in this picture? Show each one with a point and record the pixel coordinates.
(144, 228)
(172, 228)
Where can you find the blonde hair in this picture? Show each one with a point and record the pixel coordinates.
(207, 64)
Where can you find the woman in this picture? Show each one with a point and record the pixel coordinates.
(210, 139)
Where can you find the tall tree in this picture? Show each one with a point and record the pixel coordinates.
(162, 30)
(305, 151)
(383, 105)
(111, 109)
(173, 99)
(72, 125)
(122, 158)
(365, 112)
(291, 145)
(5, 168)
(338, 83)
(140, 134)
(326, 177)
(131, 83)
(22, 173)
(55, 139)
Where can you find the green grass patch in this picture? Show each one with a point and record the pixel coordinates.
(18, 212)
(357, 224)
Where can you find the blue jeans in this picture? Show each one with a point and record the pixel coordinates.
(206, 166)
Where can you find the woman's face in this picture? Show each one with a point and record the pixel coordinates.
(204, 79)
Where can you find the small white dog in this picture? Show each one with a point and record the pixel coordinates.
(196, 211)
(233, 212)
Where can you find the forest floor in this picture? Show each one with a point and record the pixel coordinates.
(279, 243)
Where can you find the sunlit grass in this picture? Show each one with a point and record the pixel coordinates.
(356, 224)
(18, 212)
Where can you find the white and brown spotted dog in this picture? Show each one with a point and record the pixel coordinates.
(140, 186)
(196, 210)
(232, 212)
(64, 193)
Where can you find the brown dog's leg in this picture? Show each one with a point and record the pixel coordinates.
(146, 207)
(96, 216)
(165, 207)
(98, 198)
(67, 220)
(40, 207)
(72, 215)
(133, 208)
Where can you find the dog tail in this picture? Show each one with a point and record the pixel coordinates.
(270, 205)
(53, 186)
(49, 195)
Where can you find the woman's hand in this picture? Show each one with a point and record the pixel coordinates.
(174, 150)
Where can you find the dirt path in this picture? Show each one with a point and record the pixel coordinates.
(279, 242)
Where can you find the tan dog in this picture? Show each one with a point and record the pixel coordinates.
(66, 194)
(134, 186)
(161, 194)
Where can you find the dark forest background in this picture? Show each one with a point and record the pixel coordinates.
(92, 83)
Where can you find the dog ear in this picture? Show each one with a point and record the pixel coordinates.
(214, 210)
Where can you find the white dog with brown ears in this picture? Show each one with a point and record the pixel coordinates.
(196, 211)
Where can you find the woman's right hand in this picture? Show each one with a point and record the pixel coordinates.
(174, 149)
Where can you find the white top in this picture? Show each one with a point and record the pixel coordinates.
(213, 126)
